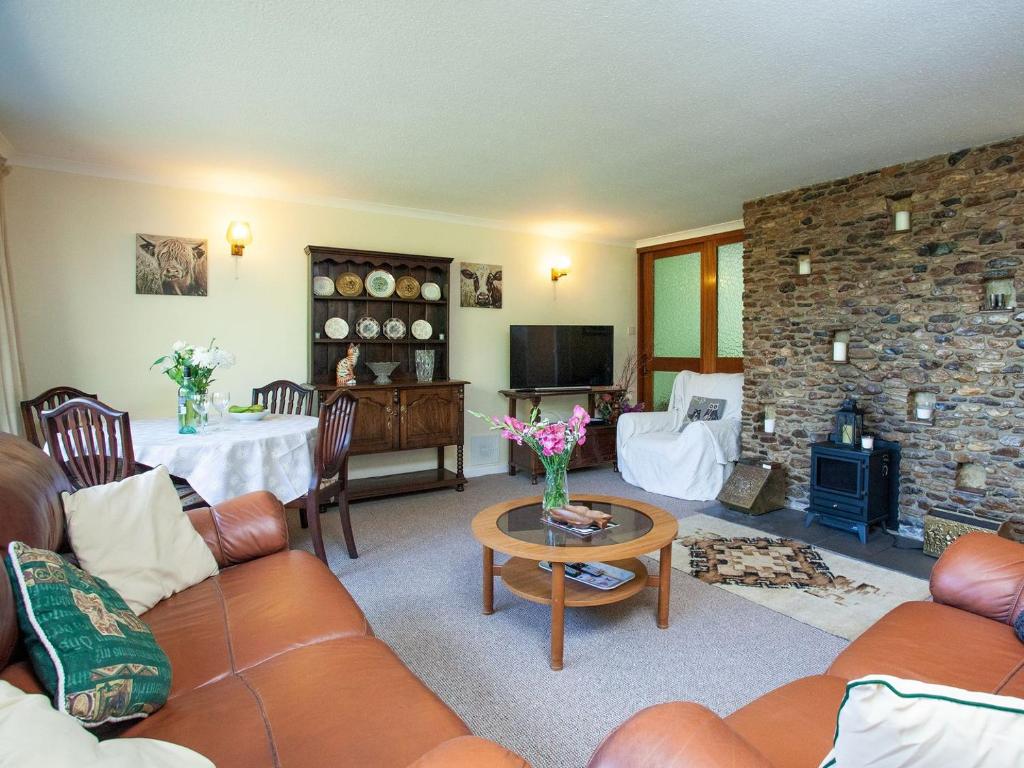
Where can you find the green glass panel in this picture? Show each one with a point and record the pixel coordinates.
(730, 300)
(677, 306)
(662, 389)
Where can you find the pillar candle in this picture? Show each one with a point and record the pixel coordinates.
(839, 351)
(901, 221)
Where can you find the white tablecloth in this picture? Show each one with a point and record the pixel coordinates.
(233, 457)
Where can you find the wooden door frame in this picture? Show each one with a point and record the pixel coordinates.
(709, 361)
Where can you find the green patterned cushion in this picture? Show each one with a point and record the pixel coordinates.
(100, 661)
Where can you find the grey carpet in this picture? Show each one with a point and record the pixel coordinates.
(418, 580)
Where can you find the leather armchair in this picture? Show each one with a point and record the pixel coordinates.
(982, 574)
(961, 639)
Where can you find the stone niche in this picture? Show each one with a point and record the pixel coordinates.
(916, 303)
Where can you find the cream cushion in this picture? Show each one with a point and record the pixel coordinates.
(33, 733)
(134, 535)
(888, 722)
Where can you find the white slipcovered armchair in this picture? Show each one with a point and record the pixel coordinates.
(664, 452)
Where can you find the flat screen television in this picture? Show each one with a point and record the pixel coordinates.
(553, 356)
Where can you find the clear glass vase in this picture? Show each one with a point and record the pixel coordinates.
(556, 481)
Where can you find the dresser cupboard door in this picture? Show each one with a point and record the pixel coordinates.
(431, 416)
(376, 416)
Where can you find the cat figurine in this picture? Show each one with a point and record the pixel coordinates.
(346, 371)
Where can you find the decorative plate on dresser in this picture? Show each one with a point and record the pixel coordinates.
(394, 328)
(407, 287)
(367, 328)
(430, 291)
(380, 284)
(336, 328)
(323, 286)
(421, 330)
(349, 284)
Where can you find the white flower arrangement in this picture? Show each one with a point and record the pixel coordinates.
(201, 360)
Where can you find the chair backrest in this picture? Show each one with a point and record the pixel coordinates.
(91, 441)
(48, 400)
(333, 435)
(283, 396)
(725, 386)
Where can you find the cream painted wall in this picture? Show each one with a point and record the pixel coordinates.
(81, 323)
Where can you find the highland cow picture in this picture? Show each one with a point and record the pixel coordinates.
(481, 285)
(170, 266)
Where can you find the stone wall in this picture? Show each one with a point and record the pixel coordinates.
(912, 303)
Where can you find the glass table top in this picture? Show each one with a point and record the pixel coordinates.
(525, 524)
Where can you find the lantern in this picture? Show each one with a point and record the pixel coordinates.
(849, 424)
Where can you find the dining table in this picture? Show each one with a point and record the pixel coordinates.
(231, 456)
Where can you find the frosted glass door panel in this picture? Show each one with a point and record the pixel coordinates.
(677, 306)
(663, 381)
(730, 300)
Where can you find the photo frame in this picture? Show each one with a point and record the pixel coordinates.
(480, 285)
(170, 266)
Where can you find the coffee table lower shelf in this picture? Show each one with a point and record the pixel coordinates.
(529, 581)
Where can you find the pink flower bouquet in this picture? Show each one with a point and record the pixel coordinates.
(552, 441)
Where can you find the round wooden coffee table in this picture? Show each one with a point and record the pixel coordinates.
(515, 528)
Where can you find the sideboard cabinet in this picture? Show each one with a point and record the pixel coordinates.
(404, 414)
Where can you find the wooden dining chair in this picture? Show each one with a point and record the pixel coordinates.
(93, 444)
(48, 400)
(91, 441)
(329, 479)
(283, 396)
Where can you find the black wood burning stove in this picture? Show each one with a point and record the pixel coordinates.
(853, 489)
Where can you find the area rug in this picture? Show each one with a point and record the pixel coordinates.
(834, 593)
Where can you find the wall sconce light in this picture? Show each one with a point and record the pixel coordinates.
(559, 269)
(239, 235)
(803, 265)
(769, 419)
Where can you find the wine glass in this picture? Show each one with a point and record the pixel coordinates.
(221, 401)
(201, 403)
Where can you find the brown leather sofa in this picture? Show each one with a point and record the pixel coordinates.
(273, 662)
(964, 638)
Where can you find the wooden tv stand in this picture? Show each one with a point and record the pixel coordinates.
(599, 447)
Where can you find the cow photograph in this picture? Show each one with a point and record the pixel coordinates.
(170, 266)
(481, 285)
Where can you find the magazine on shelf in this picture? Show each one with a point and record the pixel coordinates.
(598, 575)
(579, 530)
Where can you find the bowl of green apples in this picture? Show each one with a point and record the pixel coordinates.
(248, 412)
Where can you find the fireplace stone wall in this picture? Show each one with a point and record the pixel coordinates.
(914, 306)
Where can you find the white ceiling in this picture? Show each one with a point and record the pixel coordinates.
(601, 120)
